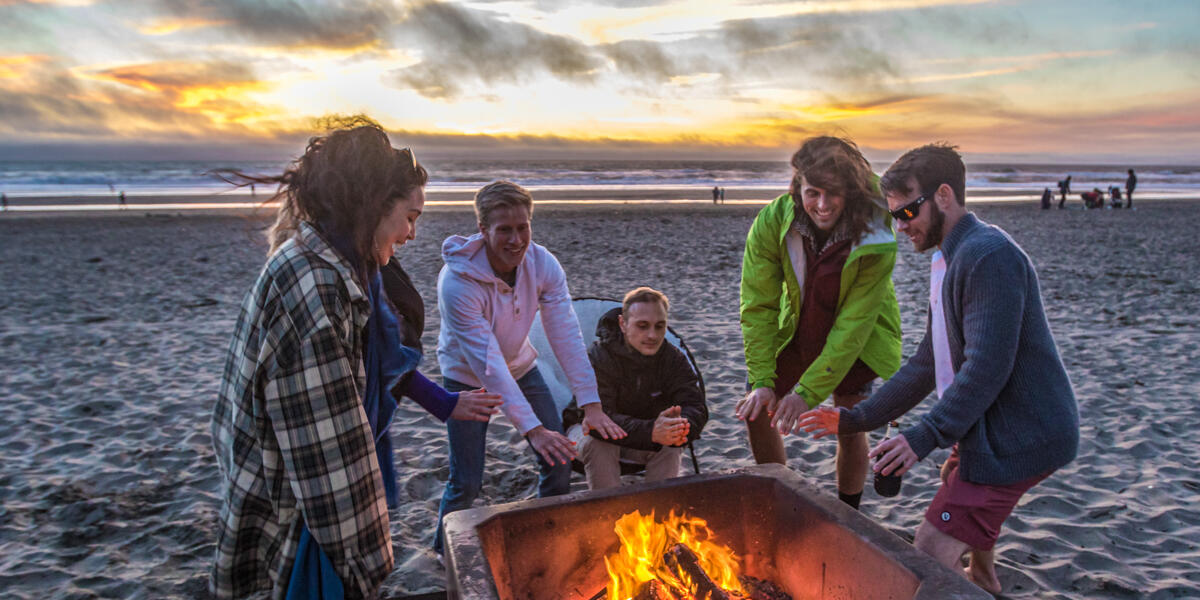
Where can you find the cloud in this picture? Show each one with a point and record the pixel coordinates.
(460, 46)
(170, 100)
(644, 59)
(179, 76)
(169, 25)
(337, 24)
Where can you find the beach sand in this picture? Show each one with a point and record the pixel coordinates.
(114, 328)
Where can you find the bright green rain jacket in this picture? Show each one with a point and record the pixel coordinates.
(867, 324)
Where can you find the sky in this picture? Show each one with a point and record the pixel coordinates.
(1036, 81)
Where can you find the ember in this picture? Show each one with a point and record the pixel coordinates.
(677, 559)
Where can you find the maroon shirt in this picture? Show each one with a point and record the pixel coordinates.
(818, 311)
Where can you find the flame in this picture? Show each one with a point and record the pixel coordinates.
(643, 542)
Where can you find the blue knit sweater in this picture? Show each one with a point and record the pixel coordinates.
(1010, 408)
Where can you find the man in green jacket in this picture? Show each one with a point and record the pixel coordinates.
(818, 310)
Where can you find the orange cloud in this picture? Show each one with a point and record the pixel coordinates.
(12, 67)
(218, 91)
(175, 76)
(168, 26)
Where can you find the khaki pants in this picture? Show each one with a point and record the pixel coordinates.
(602, 462)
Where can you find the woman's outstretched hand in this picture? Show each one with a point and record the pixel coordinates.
(594, 418)
(820, 421)
(476, 405)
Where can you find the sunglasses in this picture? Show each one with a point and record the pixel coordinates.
(412, 155)
(909, 211)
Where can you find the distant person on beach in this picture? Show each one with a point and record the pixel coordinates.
(1004, 401)
(818, 311)
(121, 199)
(1114, 194)
(1130, 185)
(722, 195)
(1093, 198)
(4, 202)
(1064, 187)
(312, 377)
(493, 284)
(716, 193)
(252, 191)
(647, 387)
(1047, 198)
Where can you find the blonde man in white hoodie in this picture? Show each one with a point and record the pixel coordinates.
(492, 285)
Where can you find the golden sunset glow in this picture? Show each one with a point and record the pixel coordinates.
(741, 78)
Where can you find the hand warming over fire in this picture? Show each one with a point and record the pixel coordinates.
(788, 412)
(820, 421)
(755, 402)
(476, 405)
(896, 457)
(555, 448)
(594, 418)
(670, 429)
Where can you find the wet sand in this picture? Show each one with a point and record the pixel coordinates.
(114, 328)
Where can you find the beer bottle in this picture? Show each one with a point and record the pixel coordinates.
(888, 485)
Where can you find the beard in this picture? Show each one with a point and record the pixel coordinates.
(933, 237)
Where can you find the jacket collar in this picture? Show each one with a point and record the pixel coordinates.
(960, 232)
(310, 238)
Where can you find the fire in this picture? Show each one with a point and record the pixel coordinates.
(643, 542)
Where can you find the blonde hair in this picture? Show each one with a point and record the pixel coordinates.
(644, 294)
(500, 194)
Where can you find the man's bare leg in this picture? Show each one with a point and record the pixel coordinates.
(949, 552)
(852, 449)
(765, 443)
(982, 570)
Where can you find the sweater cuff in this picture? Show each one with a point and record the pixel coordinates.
(850, 421)
(920, 439)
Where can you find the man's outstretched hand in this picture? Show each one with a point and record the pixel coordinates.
(552, 446)
(756, 401)
(820, 421)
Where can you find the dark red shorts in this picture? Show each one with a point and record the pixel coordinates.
(971, 512)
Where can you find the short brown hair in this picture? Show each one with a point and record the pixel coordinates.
(835, 165)
(500, 194)
(931, 165)
(644, 294)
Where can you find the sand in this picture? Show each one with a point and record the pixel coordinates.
(113, 330)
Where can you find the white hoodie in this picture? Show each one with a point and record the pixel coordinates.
(484, 338)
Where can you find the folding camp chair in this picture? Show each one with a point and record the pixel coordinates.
(589, 311)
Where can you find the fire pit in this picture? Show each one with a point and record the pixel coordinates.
(783, 530)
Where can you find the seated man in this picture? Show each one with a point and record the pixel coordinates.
(647, 387)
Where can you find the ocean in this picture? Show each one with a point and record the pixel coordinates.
(100, 181)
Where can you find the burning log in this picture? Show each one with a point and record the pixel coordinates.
(760, 589)
(654, 590)
(683, 560)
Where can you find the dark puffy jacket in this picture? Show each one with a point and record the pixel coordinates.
(635, 388)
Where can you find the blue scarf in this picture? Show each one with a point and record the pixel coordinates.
(387, 361)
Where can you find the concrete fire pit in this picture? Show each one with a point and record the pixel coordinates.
(786, 531)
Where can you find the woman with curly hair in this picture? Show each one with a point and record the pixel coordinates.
(313, 375)
(818, 311)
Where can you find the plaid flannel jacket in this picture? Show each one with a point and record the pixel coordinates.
(290, 433)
